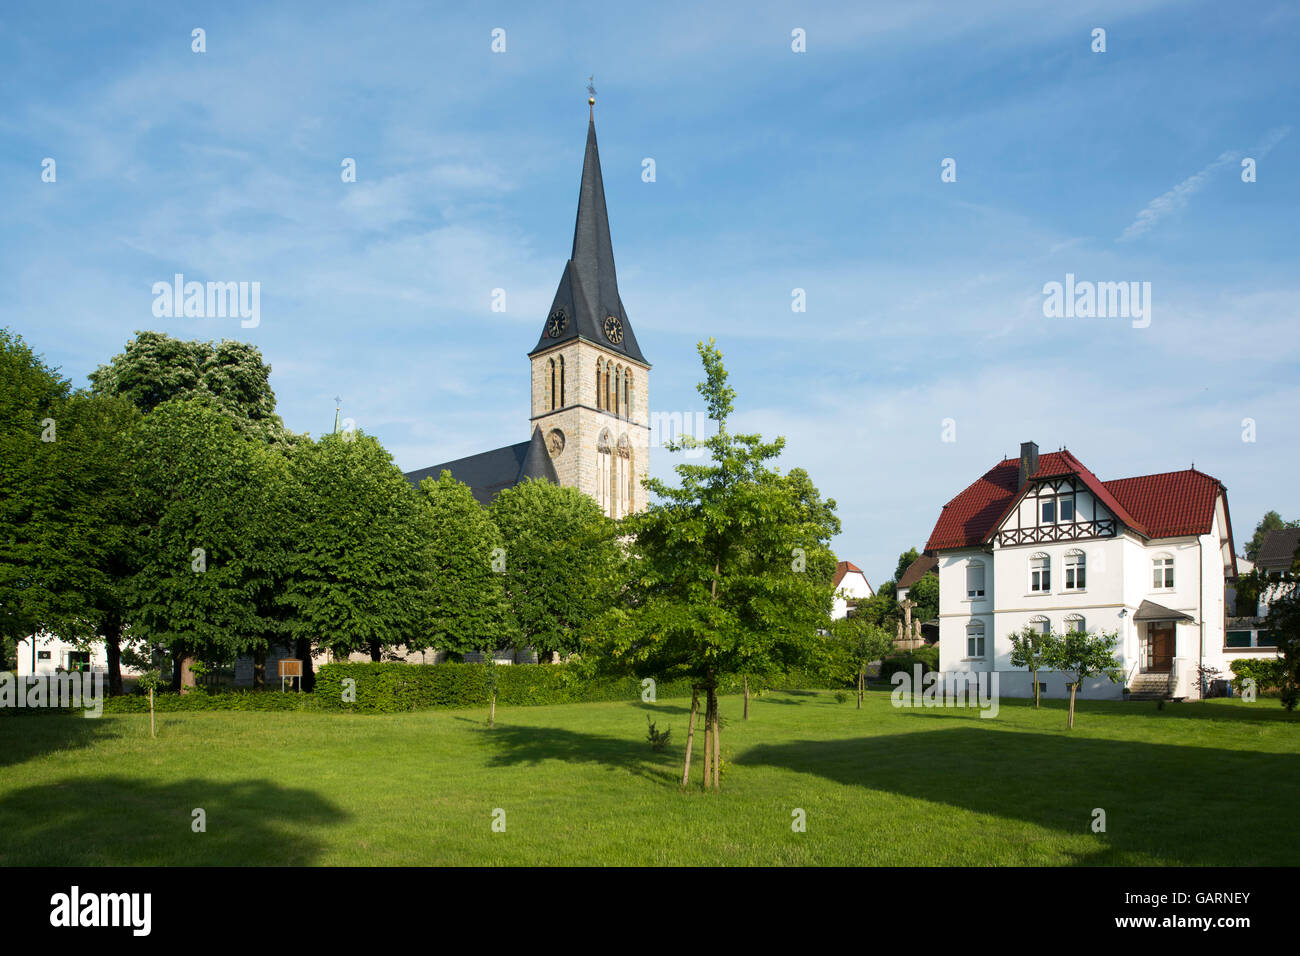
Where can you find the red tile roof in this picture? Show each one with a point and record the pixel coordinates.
(1155, 506)
(843, 568)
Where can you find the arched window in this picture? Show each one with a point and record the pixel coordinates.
(1040, 624)
(627, 393)
(618, 378)
(1075, 622)
(560, 403)
(975, 580)
(600, 403)
(550, 384)
(1076, 570)
(1162, 572)
(609, 385)
(975, 639)
(621, 476)
(1040, 573)
(604, 473)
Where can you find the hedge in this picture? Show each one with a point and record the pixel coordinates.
(395, 687)
(1267, 673)
(927, 657)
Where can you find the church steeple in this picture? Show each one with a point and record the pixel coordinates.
(587, 304)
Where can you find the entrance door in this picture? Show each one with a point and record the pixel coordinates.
(1158, 649)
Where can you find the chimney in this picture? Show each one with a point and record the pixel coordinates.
(1028, 461)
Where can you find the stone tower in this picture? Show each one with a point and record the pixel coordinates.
(591, 384)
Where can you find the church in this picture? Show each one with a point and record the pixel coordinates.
(589, 427)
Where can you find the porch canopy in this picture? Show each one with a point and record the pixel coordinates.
(1151, 611)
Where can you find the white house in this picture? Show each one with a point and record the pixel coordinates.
(47, 654)
(1043, 541)
(851, 586)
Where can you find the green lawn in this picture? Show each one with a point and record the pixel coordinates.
(1208, 783)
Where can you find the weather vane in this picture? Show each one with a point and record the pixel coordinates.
(591, 91)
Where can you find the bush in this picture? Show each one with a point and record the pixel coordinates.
(388, 688)
(1266, 673)
(218, 699)
(927, 657)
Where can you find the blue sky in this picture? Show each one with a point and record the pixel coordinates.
(775, 170)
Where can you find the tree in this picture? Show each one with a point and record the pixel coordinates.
(466, 609)
(865, 643)
(86, 512)
(1283, 621)
(1031, 648)
(155, 368)
(560, 559)
(1084, 655)
(360, 572)
(30, 392)
(1272, 521)
(210, 549)
(731, 570)
(904, 562)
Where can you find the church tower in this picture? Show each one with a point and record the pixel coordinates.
(591, 384)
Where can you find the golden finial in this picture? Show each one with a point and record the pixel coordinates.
(591, 92)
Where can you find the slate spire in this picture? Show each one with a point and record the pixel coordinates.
(588, 292)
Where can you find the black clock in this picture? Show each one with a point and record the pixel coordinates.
(613, 329)
(556, 324)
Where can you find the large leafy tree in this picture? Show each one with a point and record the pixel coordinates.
(210, 550)
(560, 561)
(361, 567)
(466, 605)
(732, 567)
(155, 368)
(86, 513)
(30, 392)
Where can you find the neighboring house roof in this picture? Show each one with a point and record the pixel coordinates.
(588, 290)
(845, 567)
(1277, 550)
(490, 472)
(1155, 506)
(1151, 611)
(917, 570)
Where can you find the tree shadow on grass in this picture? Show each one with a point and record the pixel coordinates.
(25, 736)
(119, 821)
(528, 746)
(1184, 805)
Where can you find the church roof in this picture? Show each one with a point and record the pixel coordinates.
(588, 290)
(490, 472)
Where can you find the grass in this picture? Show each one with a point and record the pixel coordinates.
(1194, 783)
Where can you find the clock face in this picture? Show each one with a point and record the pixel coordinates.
(613, 329)
(556, 323)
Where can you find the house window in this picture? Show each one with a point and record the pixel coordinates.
(1075, 623)
(1067, 509)
(1162, 573)
(1041, 624)
(1040, 574)
(1049, 511)
(975, 639)
(42, 655)
(975, 580)
(1076, 571)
